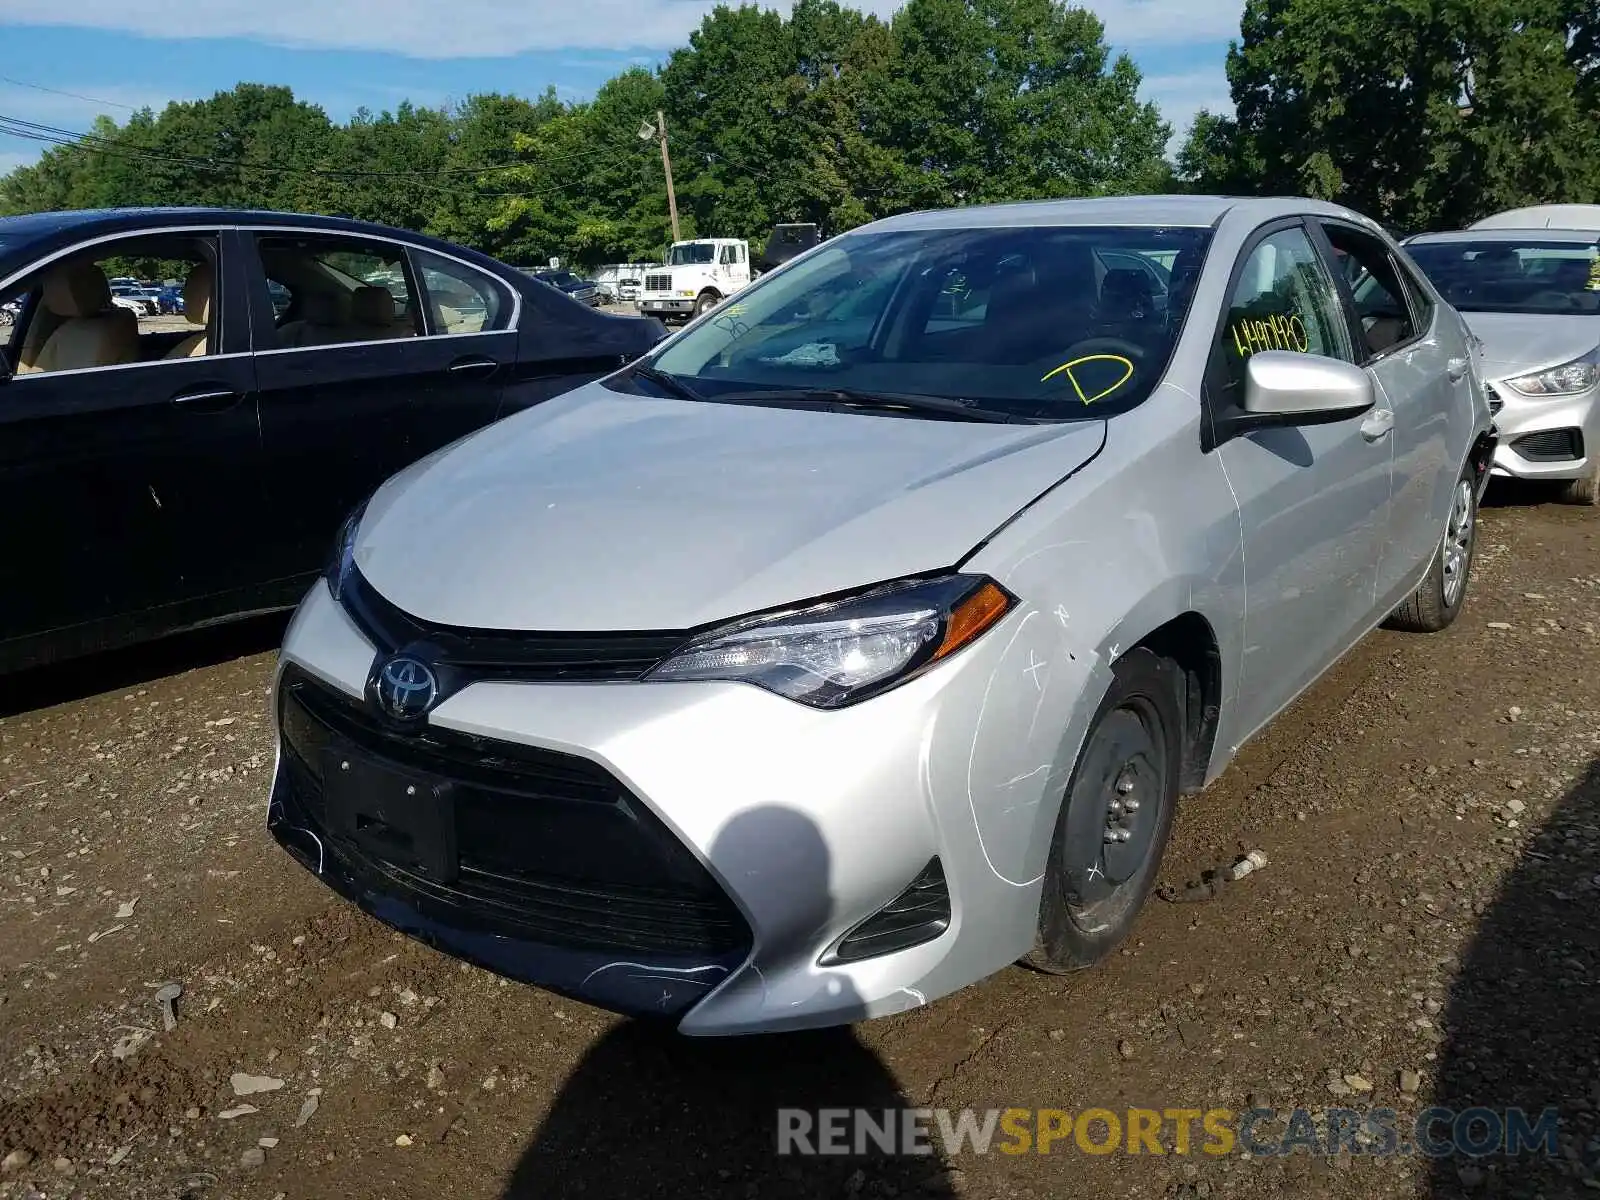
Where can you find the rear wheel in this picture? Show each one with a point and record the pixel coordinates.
(1438, 599)
(707, 301)
(1115, 819)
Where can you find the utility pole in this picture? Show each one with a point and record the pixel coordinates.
(666, 165)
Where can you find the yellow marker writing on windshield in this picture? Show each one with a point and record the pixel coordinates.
(1069, 368)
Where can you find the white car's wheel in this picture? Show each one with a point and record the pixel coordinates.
(1584, 490)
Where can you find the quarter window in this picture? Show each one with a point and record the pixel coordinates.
(1284, 300)
(460, 300)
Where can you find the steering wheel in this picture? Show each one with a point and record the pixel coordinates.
(1120, 347)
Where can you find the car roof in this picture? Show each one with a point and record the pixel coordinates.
(1545, 216)
(1572, 237)
(1196, 212)
(92, 220)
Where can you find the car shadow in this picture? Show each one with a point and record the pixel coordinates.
(1522, 1023)
(1518, 493)
(113, 670)
(651, 1112)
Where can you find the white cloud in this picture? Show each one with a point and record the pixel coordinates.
(1181, 96)
(498, 28)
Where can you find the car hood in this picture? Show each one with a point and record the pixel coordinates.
(1517, 343)
(604, 511)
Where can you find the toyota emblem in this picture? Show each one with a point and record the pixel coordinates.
(405, 688)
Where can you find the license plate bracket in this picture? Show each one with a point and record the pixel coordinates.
(402, 817)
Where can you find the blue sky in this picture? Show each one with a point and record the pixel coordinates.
(117, 55)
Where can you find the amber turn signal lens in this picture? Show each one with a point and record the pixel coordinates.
(971, 617)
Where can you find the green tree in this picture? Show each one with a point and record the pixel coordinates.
(1418, 112)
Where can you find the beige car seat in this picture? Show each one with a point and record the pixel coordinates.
(89, 331)
(197, 311)
(321, 322)
(372, 313)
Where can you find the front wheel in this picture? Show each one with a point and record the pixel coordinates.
(1437, 601)
(1584, 490)
(1115, 819)
(707, 301)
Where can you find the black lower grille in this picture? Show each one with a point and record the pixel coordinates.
(552, 848)
(1550, 445)
(507, 654)
(918, 914)
(1495, 402)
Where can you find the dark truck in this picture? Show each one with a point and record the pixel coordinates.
(786, 242)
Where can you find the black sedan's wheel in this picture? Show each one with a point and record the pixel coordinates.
(1437, 601)
(707, 301)
(1115, 819)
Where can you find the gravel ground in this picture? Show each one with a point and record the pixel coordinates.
(1424, 933)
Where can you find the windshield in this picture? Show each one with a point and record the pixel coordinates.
(1034, 322)
(1521, 275)
(691, 252)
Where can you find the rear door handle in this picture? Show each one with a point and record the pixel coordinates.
(213, 400)
(1456, 369)
(474, 368)
(1378, 425)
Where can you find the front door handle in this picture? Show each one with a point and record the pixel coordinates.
(211, 400)
(474, 368)
(1378, 425)
(1456, 369)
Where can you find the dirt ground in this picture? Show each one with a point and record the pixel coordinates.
(1431, 813)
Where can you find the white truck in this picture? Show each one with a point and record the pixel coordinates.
(698, 276)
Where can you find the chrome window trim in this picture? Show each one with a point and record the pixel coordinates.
(411, 341)
(512, 325)
(23, 377)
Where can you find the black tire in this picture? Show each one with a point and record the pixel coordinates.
(1094, 888)
(1582, 491)
(1438, 599)
(706, 302)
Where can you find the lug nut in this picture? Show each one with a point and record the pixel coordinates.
(1125, 783)
(1130, 805)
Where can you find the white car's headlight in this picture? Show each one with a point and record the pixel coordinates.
(1566, 380)
(344, 553)
(833, 654)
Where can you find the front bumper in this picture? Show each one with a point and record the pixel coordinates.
(783, 828)
(1554, 438)
(657, 307)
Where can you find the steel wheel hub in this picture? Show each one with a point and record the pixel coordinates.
(1455, 553)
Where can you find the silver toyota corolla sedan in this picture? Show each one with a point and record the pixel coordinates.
(1532, 297)
(860, 641)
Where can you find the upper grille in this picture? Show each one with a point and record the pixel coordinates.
(1550, 445)
(509, 654)
(552, 848)
(658, 283)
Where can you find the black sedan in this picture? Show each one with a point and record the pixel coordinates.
(154, 481)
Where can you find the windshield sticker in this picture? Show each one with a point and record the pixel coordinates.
(1071, 370)
(812, 354)
(1275, 332)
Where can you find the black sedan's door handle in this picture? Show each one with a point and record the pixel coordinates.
(474, 368)
(209, 400)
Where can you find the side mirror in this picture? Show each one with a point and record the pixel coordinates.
(1287, 388)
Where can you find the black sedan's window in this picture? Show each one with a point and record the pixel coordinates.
(341, 290)
(460, 299)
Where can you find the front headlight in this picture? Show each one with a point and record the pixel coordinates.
(834, 654)
(1566, 380)
(344, 553)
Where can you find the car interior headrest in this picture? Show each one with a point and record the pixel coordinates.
(76, 290)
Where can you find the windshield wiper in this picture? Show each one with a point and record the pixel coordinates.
(912, 402)
(667, 382)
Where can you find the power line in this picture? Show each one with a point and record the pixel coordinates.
(91, 144)
(39, 87)
(34, 131)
